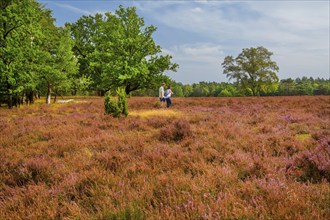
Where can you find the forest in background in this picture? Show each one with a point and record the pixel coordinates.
(285, 87)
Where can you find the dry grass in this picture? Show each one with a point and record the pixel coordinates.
(204, 158)
(156, 113)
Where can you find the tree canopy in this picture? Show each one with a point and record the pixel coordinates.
(120, 50)
(101, 52)
(36, 55)
(253, 69)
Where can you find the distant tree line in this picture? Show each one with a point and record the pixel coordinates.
(255, 74)
(285, 87)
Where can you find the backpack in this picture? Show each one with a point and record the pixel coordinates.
(167, 91)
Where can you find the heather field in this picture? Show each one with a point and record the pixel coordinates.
(205, 158)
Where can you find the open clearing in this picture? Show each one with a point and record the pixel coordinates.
(204, 158)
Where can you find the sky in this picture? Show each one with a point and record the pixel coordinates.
(200, 34)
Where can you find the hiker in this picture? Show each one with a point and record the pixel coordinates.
(161, 95)
(167, 94)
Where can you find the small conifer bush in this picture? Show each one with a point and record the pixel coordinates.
(116, 107)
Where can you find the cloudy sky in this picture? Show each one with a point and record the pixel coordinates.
(200, 34)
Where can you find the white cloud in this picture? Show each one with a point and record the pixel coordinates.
(198, 62)
(199, 34)
(196, 10)
(201, 52)
(297, 32)
(73, 9)
(226, 20)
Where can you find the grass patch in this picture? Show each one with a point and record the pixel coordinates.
(303, 137)
(156, 113)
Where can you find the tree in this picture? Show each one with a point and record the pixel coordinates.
(56, 60)
(253, 69)
(286, 87)
(322, 87)
(200, 89)
(187, 90)
(84, 31)
(33, 52)
(303, 86)
(177, 89)
(126, 53)
(18, 28)
(116, 107)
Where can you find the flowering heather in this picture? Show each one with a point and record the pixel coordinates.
(204, 158)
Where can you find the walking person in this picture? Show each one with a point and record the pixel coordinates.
(167, 94)
(161, 95)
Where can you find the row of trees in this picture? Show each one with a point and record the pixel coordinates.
(96, 53)
(285, 87)
(35, 55)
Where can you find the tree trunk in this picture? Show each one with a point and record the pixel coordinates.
(10, 101)
(129, 89)
(49, 90)
(10, 96)
(36, 95)
(30, 97)
(100, 92)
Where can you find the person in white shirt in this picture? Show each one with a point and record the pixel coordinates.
(167, 94)
(161, 95)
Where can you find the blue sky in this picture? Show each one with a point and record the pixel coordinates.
(200, 34)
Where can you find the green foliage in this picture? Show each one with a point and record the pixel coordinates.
(111, 106)
(304, 86)
(253, 69)
(116, 107)
(126, 54)
(18, 27)
(177, 90)
(222, 89)
(84, 31)
(122, 101)
(35, 56)
(187, 90)
(225, 93)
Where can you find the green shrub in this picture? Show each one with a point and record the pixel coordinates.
(116, 107)
(122, 101)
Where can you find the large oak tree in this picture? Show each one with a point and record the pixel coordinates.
(126, 53)
(253, 69)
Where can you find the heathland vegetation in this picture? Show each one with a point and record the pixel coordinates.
(206, 158)
(224, 157)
